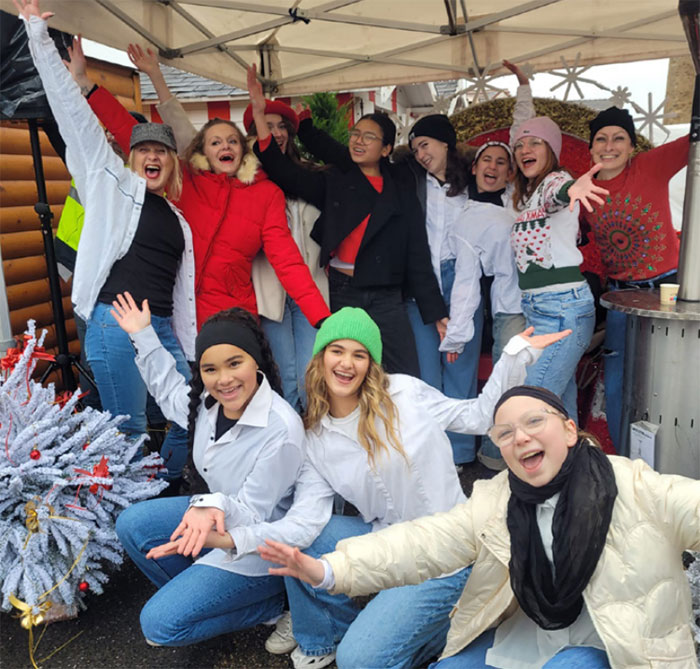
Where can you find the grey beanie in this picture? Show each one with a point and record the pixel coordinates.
(153, 132)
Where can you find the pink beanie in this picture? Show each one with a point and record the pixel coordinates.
(544, 128)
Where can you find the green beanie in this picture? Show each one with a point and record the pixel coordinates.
(351, 323)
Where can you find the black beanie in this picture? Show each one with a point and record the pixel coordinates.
(547, 396)
(613, 116)
(437, 126)
(386, 124)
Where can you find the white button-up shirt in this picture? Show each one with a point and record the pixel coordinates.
(251, 468)
(396, 488)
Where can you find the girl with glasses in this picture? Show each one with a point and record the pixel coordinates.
(575, 555)
(370, 232)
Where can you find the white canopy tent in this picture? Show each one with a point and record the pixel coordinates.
(303, 46)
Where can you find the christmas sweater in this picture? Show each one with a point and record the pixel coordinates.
(544, 236)
(633, 228)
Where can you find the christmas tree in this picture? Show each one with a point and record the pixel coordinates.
(65, 475)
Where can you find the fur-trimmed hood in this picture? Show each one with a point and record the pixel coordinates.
(247, 172)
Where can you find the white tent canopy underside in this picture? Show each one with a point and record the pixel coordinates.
(347, 44)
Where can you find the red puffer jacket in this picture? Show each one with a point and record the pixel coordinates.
(231, 220)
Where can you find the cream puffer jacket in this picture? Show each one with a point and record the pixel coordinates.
(638, 597)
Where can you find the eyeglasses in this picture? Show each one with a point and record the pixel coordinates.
(365, 137)
(531, 423)
(531, 142)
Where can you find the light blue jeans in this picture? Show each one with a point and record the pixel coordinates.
(400, 627)
(122, 390)
(474, 657)
(553, 311)
(291, 341)
(194, 602)
(457, 379)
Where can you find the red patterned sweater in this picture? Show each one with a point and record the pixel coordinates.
(633, 229)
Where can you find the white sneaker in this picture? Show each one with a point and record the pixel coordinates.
(302, 661)
(282, 640)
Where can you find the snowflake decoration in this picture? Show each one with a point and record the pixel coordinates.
(652, 117)
(621, 96)
(479, 87)
(572, 77)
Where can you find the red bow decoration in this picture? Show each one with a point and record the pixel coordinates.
(101, 470)
(14, 355)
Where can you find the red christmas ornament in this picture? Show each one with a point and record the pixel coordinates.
(35, 454)
(83, 586)
(86, 444)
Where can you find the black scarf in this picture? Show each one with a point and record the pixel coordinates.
(490, 197)
(581, 519)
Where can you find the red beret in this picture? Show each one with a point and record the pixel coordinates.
(272, 107)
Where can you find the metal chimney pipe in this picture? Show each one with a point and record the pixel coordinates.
(689, 260)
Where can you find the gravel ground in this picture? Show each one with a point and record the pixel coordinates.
(111, 638)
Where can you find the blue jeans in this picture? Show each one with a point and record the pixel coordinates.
(194, 602)
(122, 390)
(553, 311)
(474, 657)
(505, 327)
(400, 627)
(291, 341)
(457, 379)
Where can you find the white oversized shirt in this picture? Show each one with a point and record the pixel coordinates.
(251, 468)
(112, 194)
(396, 488)
(480, 241)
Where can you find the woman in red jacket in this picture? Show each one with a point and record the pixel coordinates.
(232, 207)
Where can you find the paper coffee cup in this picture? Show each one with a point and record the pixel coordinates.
(668, 293)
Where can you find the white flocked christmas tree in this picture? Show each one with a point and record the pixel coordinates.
(65, 475)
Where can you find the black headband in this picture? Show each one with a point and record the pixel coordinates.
(547, 396)
(227, 332)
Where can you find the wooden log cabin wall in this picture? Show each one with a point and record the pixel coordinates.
(21, 245)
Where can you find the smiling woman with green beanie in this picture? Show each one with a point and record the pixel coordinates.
(378, 440)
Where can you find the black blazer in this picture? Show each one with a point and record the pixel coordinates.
(394, 249)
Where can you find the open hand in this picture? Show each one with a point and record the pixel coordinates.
(194, 529)
(255, 90)
(29, 8)
(130, 318)
(543, 340)
(295, 563)
(583, 190)
(522, 79)
(77, 63)
(144, 60)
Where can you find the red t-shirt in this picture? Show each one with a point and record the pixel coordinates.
(347, 251)
(633, 228)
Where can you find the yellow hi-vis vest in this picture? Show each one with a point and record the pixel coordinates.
(70, 226)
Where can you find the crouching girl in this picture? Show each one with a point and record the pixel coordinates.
(246, 445)
(379, 441)
(576, 555)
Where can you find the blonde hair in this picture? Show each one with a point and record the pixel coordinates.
(173, 188)
(374, 401)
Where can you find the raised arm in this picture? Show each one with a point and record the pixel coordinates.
(524, 108)
(322, 146)
(87, 148)
(169, 108)
(155, 364)
(291, 177)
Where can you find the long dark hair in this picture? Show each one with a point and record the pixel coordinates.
(524, 187)
(268, 367)
(458, 169)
